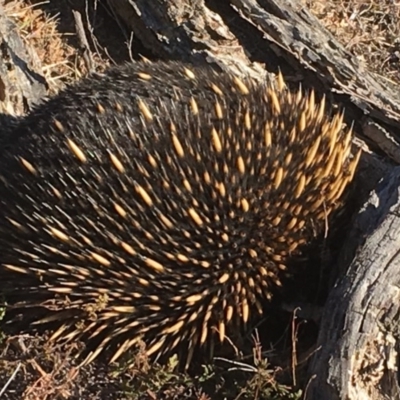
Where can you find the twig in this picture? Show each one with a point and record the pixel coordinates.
(11, 379)
(83, 42)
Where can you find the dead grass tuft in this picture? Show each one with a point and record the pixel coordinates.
(39, 30)
(369, 29)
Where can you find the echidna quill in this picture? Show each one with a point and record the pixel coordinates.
(166, 199)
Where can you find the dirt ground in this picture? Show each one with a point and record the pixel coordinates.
(32, 369)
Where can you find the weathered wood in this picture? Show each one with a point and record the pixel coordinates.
(21, 84)
(359, 334)
(186, 30)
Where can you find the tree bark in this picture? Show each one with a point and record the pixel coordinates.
(359, 334)
(21, 84)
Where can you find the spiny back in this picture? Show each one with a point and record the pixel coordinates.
(168, 198)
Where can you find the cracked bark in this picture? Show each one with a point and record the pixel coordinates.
(21, 85)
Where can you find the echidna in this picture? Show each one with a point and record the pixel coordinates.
(162, 201)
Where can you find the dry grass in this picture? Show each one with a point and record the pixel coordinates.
(40, 31)
(369, 29)
(39, 25)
